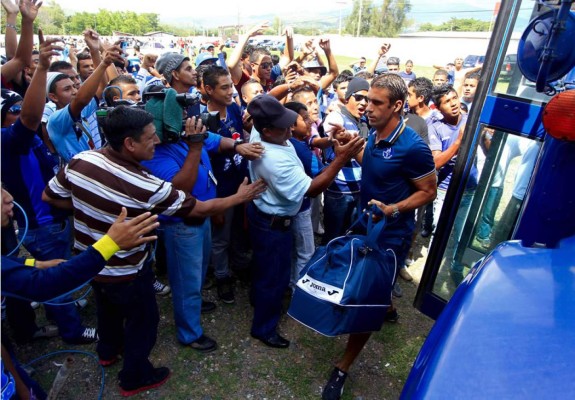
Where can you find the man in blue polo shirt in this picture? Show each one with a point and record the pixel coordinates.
(398, 177)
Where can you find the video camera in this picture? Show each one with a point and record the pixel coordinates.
(211, 120)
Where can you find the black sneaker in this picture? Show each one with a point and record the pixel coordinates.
(334, 387)
(90, 335)
(426, 231)
(159, 377)
(391, 315)
(208, 307)
(204, 344)
(226, 290)
(160, 289)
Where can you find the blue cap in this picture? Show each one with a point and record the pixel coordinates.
(203, 57)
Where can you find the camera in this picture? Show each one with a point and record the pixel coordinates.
(211, 120)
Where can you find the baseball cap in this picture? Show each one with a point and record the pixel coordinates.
(268, 110)
(203, 57)
(169, 62)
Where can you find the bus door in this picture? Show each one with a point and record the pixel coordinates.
(498, 161)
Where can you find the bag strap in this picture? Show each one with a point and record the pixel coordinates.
(373, 230)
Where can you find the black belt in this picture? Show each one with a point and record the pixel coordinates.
(275, 221)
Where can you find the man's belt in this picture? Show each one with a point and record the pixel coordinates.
(275, 221)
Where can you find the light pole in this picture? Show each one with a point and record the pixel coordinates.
(341, 4)
(359, 17)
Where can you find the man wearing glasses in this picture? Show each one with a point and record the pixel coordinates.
(342, 196)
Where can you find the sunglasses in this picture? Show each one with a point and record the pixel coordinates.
(15, 109)
(359, 97)
(265, 65)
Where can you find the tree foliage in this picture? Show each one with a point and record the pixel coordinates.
(457, 25)
(383, 20)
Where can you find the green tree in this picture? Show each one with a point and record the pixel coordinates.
(383, 20)
(457, 25)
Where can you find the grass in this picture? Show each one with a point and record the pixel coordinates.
(243, 368)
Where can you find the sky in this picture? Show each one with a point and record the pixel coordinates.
(231, 10)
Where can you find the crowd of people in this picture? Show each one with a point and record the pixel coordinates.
(297, 149)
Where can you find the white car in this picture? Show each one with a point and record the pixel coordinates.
(154, 48)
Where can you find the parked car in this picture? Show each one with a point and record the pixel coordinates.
(508, 67)
(473, 61)
(156, 48)
(230, 43)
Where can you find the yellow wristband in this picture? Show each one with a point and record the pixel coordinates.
(30, 262)
(106, 247)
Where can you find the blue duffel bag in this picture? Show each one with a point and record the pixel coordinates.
(346, 286)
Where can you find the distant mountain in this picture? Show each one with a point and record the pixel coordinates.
(421, 12)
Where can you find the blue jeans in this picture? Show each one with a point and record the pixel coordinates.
(339, 210)
(488, 216)
(228, 243)
(457, 230)
(50, 242)
(188, 249)
(303, 241)
(271, 274)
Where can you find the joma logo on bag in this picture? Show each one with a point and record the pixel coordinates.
(317, 287)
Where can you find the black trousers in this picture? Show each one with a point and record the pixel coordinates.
(128, 319)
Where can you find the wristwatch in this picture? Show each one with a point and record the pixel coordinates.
(236, 143)
(395, 211)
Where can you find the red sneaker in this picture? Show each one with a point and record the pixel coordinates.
(159, 377)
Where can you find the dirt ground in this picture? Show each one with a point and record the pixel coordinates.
(243, 368)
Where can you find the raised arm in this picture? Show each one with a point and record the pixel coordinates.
(381, 51)
(11, 35)
(34, 100)
(13, 68)
(332, 69)
(233, 62)
(90, 86)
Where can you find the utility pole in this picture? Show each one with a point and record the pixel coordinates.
(359, 17)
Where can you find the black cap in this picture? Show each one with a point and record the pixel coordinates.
(267, 110)
(357, 84)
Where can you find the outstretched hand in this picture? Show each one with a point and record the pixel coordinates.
(251, 191)
(350, 149)
(130, 234)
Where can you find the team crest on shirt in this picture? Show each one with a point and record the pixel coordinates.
(387, 153)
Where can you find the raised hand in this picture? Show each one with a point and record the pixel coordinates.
(257, 29)
(47, 49)
(29, 9)
(383, 49)
(92, 39)
(10, 7)
(325, 44)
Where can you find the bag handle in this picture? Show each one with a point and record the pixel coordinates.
(373, 230)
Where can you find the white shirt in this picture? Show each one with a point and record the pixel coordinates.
(284, 174)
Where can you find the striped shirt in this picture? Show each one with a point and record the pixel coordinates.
(99, 183)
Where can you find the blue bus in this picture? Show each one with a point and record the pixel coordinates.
(506, 328)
